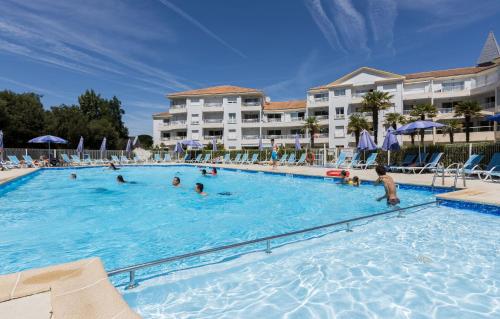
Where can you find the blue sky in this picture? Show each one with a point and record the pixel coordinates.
(142, 50)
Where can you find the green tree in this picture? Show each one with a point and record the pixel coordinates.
(393, 119)
(467, 109)
(451, 127)
(376, 101)
(423, 111)
(98, 129)
(67, 122)
(311, 126)
(22, 117)
(357, 123)
(145, 141)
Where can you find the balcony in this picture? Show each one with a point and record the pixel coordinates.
(232, 121)
(213, 123)
(250, 137)
(196, 122)
(252, 103)
(179, 138)
(406, 112)
(212, 104)
(213, 107)
(177, 108)
(252, 120)
(321, 117)
(445, 110)
(319, 102)
(340, 116)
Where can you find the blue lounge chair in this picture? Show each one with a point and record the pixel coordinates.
(29, 161)
(237, 159)
(407, 161)
(187, 158)
(115, 159)
(253, 160)
(157, 158)
(124, 160)
(370, 161)
(243, 159)
(468, 168)
(340, 160)
(493, 168)
(291, 159)
(226, 159)
(13, 161)
(207, 157)
(197, 159)
(65, 159)
(354, 160)
(283, 159)
(88, 160)
(302, 159)
(167, 158)
(431, 165)
(75, 160)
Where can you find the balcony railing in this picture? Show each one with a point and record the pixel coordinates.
(252, 103)
(321, 117)
(451, 88)
(445, 110)
(209, 121)
(321, 99)
(339, 116)
(179, 122)
(253, 120)
(232, 121)
(213, 104)
(177, 106)
(250, 137)
(297, 119)
(359, 94)
(178, 138)
(274, 120)
(195, 122)
(406, 112)
(210, 137)
(283, 137)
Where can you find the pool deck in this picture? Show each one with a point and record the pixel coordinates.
(476, 191)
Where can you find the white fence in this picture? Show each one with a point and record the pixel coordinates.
(37, 153)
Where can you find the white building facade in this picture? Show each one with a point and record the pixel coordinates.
(239, 117)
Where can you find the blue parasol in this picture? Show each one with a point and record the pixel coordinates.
(102, 149)
(48, 139)
(297, 143)
(79, 148)
(366, 142)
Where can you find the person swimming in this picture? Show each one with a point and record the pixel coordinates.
(214, 171)
(72, 176)
(389, 185)
(355, 181)
(113, 167)
(204, 172)
(176, 181)
(198, 188)
(344, 178)
(120, 179)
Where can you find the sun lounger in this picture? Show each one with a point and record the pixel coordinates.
(156, 158)
(493, 168)
(75, 160)
(407, 161)
(291, 159)
(253, 160)
(167, 158)
(115, 159)
(65, 159)
(13, 160)
(237, 159)
(207, 157)
(339, 162)
(370, 162)
(467, 168)
(124, 160)
(5, 166)
(197, 159)
(226, 159)
(429, 166)
(283, 159)
(186, 158)
(29, 161)
(243, 159)
(355, 160)
(302, 159)
(88, 160)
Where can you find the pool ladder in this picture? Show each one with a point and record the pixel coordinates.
(442, 172)
(131, 270)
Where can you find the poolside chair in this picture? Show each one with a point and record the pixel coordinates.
(13, 161)
(302, 159)
(207, 157)
(339, 162)
(407, 161)
(167, 158)
(197, 159)
(226, 159)
(124, 160)
(75, 160)
(354, 160)
(243, 159)
(65, 159)
(493, 168)
(236, 159)
(5, 166)
(431, 165)
(29, 161)
(283, 159)
(253, 160)
(156, 158)
(291, 159)
(467, 168)
(88, 160)
(370, 162)
(115, 159)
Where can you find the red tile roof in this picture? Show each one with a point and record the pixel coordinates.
(216, 90)
(446, 73)
(285, 105)
(162, 114)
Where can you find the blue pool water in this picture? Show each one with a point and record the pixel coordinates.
(48, 218)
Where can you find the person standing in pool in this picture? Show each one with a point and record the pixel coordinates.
(176, 182)
(389, 185)
(112, 166)
(199, 189)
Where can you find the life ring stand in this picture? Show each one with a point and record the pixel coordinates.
(336, 173)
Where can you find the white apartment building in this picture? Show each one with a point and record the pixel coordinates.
(238, 117)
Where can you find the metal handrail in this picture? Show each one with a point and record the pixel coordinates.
(132, 269)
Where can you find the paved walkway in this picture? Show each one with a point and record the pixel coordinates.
(476, 191)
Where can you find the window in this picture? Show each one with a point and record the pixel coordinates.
(389, 87)
(339, 113)
(195, 101)
(274, 117)
(274, 132)
(489, 102)
(321, 97)
(231, 118)
(339, 92)
(181, 134)
(231, 135)
(251, 118)
(195, 119)
(251, 101)
(165, 135)
(295, 131)
(453, 86)
(339, 131)
(321, 113)
(361, 92)
(166, 121)
(232, 100)
(297, 116)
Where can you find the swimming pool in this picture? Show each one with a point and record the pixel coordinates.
(47, 218)
(440, 262)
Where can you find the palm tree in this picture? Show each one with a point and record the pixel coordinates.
(376, 101)
(422, 111)
(451, 127)
(394, 118)
(467, 109)
(312, 127)
(357, 123)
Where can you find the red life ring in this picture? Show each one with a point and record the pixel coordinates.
(336, 173)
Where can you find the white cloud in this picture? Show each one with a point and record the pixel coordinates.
(382, 14)
(324, 24)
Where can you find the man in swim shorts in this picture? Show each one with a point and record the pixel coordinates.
(274, 154)
(389, 185)
(176, 182)
(199, 189)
